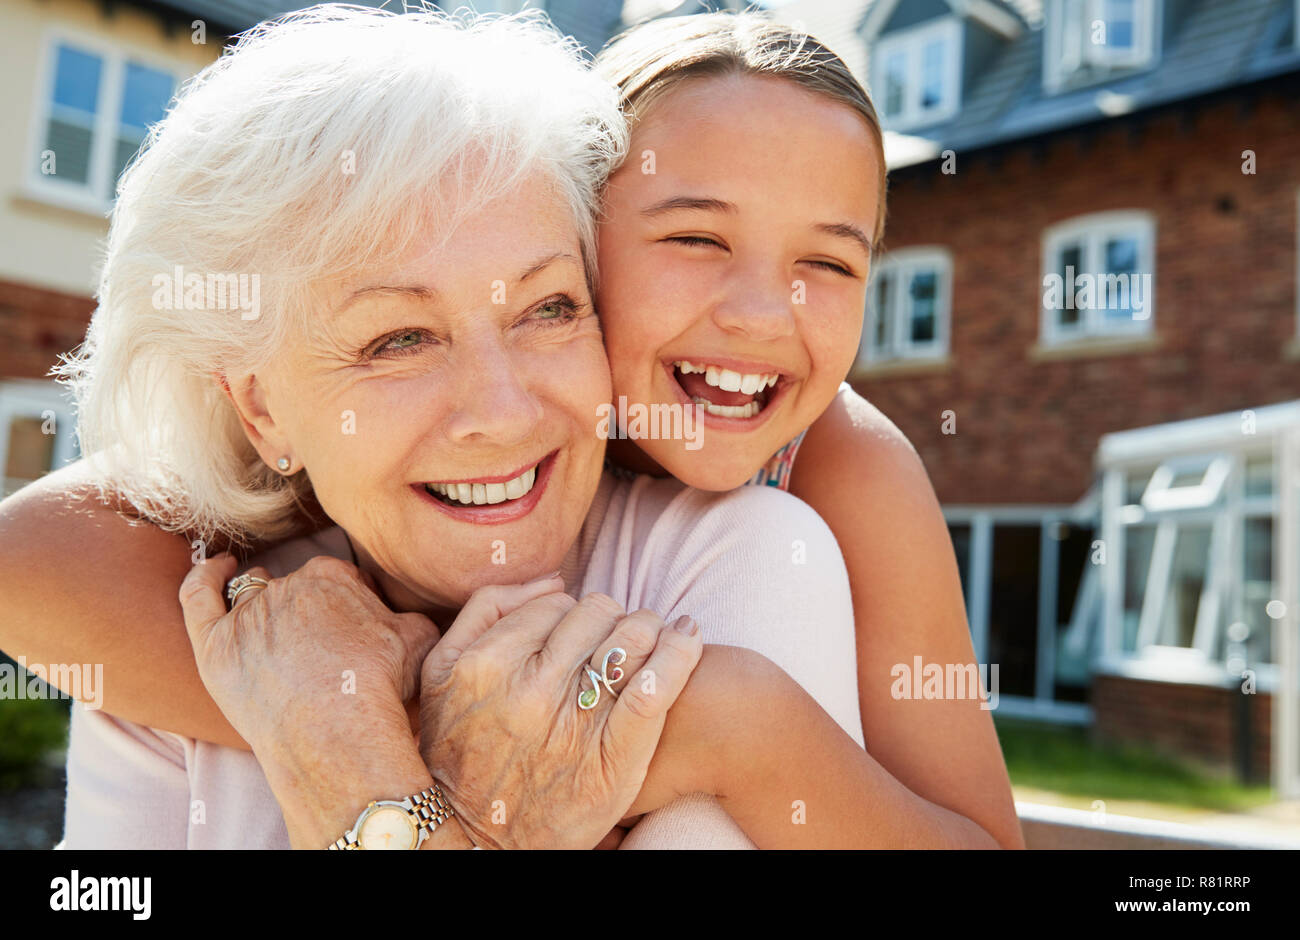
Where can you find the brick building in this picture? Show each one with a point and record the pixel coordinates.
(1131, 579)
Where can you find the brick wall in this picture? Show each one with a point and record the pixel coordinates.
(36, 325)
(1225, 283)
(1195, 721)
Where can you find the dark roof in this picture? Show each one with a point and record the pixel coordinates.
(233, 16)
(1217, 44)
(1210, 45)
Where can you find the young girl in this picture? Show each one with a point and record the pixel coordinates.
(733, 262)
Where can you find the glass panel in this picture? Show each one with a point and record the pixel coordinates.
(144, 101)
(1114, 293)
(1069, 266)
(70, 143)
(923, 313)
(1186, 582)
(30, 452)
(882, 340)
(1259, 476)
(1138, 541)
(895, 83)
(1013, 607)
(1073, 651)
(145, 94)
(932, 74)
(76, 80)
(1135, 484)
(1257, 589)
(1120, 17)
(70, 130)
(960, 533)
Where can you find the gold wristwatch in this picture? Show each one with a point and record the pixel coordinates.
(398, 824)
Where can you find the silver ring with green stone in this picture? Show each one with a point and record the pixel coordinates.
(587, 698)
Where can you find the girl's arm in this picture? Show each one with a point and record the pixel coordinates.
(80, 583)
(864, 479)
(788, 775)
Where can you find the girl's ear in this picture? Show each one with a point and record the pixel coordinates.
(248, 395)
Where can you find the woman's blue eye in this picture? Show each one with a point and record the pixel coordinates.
(557, 310)
(405, 340)
(553, 310)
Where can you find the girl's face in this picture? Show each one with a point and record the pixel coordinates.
(734, 258)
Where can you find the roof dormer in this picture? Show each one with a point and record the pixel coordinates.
(1090, 41)
(924, 51)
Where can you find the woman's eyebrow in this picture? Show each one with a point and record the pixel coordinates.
(688, 202)
(542, 263)
(417, 293)
(428, 293)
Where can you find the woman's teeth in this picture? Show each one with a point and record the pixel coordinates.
(484, 494)
(727, 380)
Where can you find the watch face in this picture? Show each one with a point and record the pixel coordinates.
(387, 826)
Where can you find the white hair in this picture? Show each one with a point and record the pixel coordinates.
(321, 143)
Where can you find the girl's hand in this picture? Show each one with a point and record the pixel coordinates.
(501, 729)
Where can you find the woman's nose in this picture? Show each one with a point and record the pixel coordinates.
(495, 401)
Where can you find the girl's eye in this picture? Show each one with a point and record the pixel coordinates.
(696, 240)
(832, 266)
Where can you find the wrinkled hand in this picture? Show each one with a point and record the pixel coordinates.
(501, 729)
(315, 648)
(312, 671)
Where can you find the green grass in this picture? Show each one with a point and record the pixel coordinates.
(30, 730)
(1062, 759)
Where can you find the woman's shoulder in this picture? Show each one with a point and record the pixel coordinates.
(658, 527)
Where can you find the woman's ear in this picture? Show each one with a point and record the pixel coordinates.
(248, 395)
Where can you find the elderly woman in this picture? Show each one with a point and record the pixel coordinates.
(420, 364)
(414, 201)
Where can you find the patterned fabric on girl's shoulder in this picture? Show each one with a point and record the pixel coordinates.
(776, 472)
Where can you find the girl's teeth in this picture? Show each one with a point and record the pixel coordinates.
(727, 380)
(729, 411)
(486, 494)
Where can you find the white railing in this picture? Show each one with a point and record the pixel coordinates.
(1056, 827)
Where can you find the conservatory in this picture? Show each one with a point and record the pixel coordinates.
(1192, 580)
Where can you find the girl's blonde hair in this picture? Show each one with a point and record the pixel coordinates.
(648, 61)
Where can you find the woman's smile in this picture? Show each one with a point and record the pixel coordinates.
(490, 500)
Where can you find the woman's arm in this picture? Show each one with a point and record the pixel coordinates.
(864, 479)
(80, 583)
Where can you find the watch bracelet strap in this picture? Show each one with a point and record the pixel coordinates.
(429, 806)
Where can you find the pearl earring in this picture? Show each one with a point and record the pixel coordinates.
(283, 464)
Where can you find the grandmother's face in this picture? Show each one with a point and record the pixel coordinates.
(445, 410)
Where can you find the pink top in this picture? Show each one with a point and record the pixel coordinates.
(755, 567)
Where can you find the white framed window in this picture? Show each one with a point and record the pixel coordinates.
(95, 104)
(36, 432)
(918, 74)
(1098, 277)
(909, 306)
(1093, 37)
